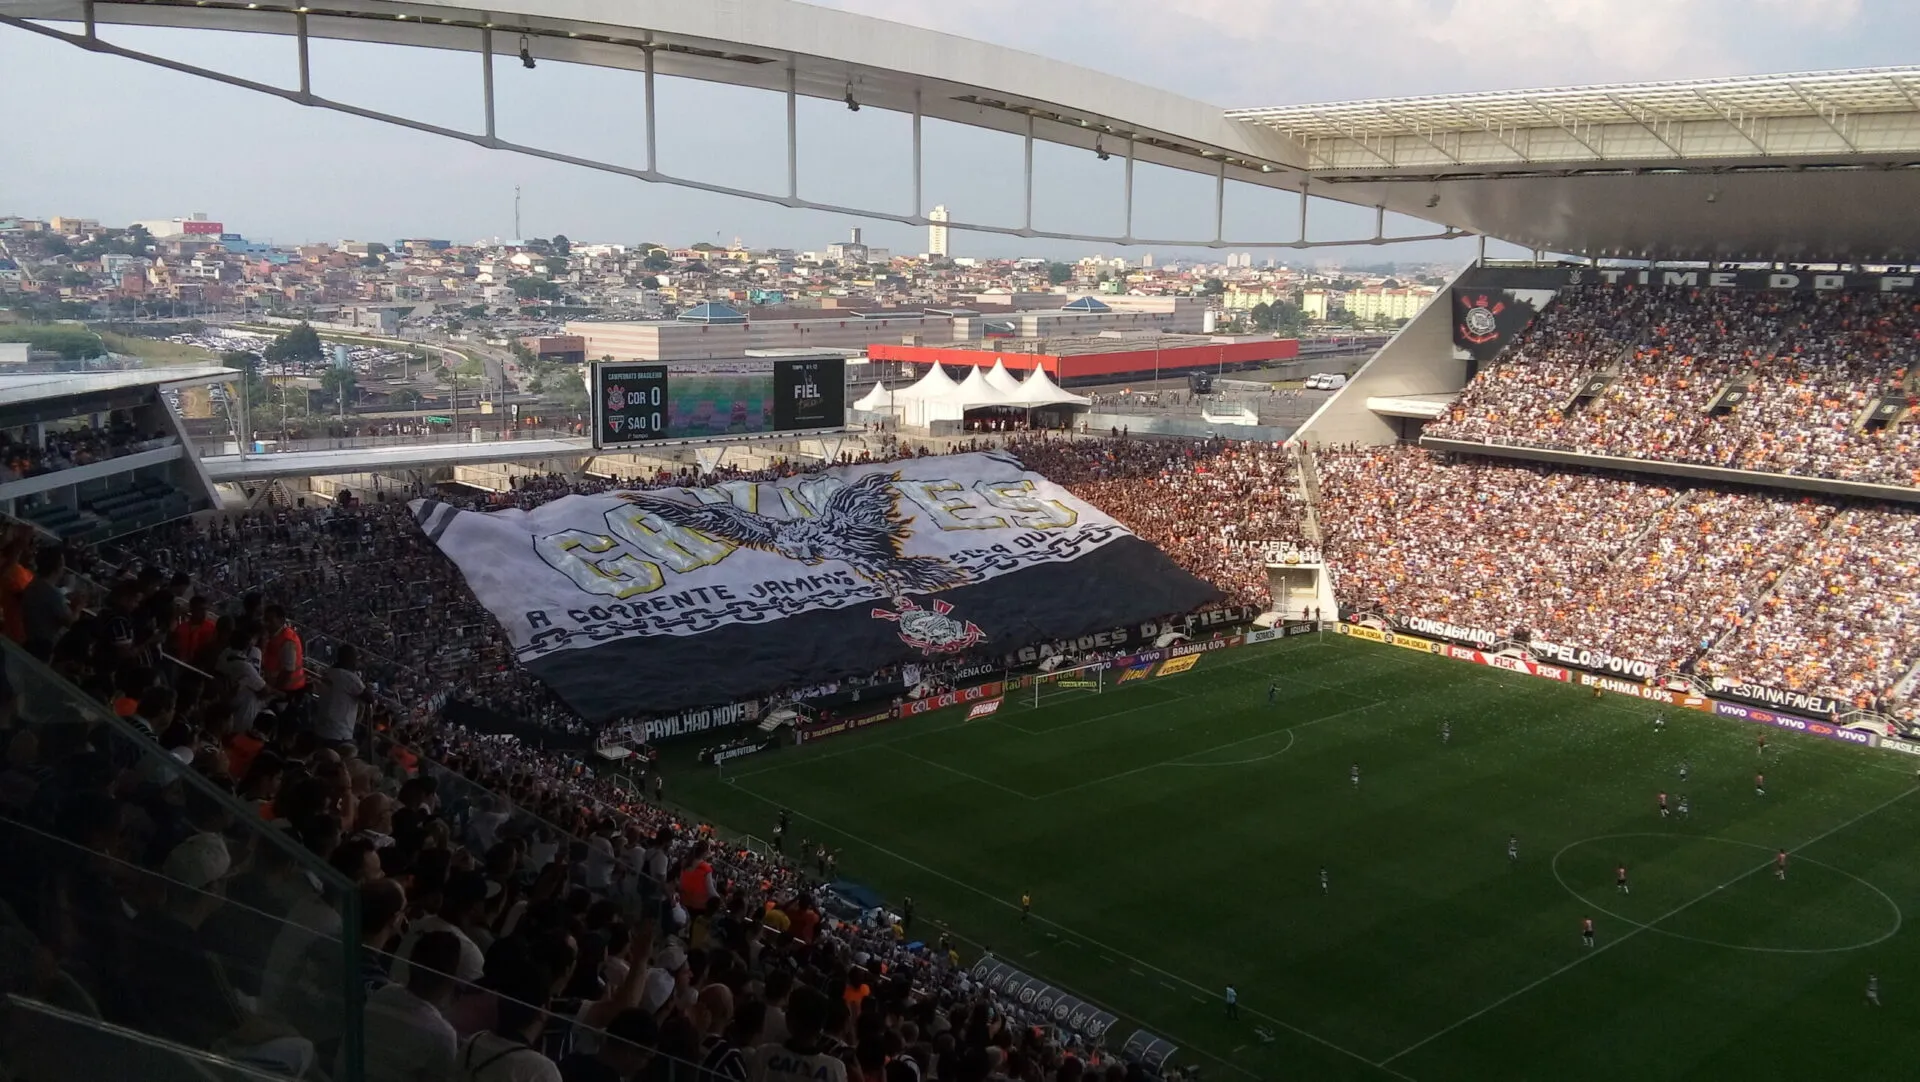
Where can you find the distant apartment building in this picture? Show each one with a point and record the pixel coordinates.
(1390, 304)
(195, 226)
(937, 231)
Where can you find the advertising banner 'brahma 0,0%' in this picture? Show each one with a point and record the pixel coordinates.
(634, 602)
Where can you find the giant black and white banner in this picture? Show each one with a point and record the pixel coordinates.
(641, 602)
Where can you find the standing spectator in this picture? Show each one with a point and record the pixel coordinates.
(408, 1037)
(806, 1055)
(342, 692)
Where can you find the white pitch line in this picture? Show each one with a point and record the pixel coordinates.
(1181, 760)
(1138, 963)
(1611, 943)
(958, 773)
(1176, 697)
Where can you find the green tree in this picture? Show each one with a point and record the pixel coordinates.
(1059, 274)
(1261, 315)
(534, 288)
(339, 382)
(74, 277)
(1212, 287)
(405, 398)
(556, 266)
(562, 247)
(657, 262)
(299, 344)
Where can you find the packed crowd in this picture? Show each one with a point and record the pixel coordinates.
(64, 448)
(522, 917)
(570, 923)
(1810, 365)
(1200, 501)
(1791, 592)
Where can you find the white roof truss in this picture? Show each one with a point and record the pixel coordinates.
(1860, 112)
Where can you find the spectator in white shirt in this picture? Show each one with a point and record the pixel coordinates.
(240, 665)
(462, 900)
(341, 693)
(509, 1052)
(408, 1038)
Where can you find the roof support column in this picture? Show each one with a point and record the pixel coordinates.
(486, 79)
(653, 161)
(1127, 232)
(918, 205)
(300, 42)
(1029, 181)
(1220, 202)
(1303, 210)
(86, 14)
(793, 137)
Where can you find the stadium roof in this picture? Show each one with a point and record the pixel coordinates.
(1806, 167)
(1866, 111)
(26, 387)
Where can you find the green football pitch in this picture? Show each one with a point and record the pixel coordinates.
(1171, 833)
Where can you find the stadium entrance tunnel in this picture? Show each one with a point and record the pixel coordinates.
(1724, 893)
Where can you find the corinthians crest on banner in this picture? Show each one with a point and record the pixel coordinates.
(1485, 320)
(654, 601)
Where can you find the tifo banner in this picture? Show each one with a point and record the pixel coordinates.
(653, 601)
(1485, 320)
(1143, 634)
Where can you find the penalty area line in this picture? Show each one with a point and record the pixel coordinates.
(1637, 929)
(1138, 964)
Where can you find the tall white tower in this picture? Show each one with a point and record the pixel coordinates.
(937, 231)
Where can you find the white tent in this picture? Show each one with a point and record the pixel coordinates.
(1040, 390)
(878, 400)
(933, 397)
(1000, 378)
(976, 391)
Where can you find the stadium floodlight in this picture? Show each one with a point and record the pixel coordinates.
(853, 103)
(526, 53)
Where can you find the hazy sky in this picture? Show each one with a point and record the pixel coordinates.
(103, 137)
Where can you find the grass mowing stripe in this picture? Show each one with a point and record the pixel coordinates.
(1212, 874)
(1674, 912)
(1181, 760)
(958, 773)
(1112, 950)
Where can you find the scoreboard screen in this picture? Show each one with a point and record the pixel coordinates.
(638, 402)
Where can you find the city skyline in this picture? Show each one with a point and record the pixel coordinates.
(274, 170)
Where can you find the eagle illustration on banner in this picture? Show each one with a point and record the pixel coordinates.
(861, 525)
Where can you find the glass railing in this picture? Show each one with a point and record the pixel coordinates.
(154, 894)
(69, 1044)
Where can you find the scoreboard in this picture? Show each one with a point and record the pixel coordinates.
(637, 402)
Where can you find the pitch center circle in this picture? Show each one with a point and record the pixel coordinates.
(1894, 907)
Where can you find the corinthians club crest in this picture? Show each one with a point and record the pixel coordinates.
(1480, 324)
(930, 631)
